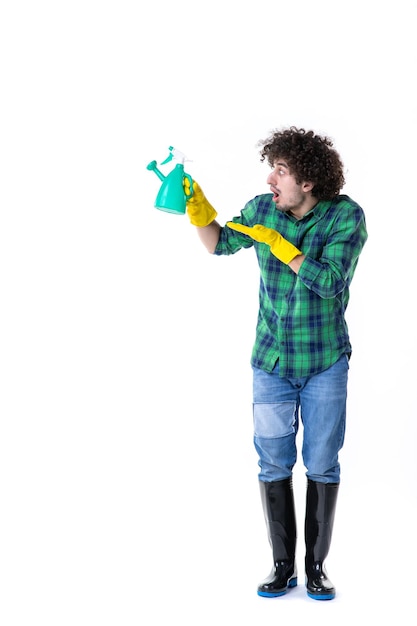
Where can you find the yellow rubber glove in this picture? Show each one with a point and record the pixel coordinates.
(199, 209)
(280, 247)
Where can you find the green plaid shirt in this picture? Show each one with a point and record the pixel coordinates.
(301, 319)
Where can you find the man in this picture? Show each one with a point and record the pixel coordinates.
(307, 238)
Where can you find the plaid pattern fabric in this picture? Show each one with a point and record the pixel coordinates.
(301, 318)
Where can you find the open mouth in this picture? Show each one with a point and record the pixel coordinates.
(275, 194)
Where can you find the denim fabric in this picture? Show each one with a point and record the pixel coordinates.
(279, 404)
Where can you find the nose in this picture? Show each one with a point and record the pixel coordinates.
(271, 178)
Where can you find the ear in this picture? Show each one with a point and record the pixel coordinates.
(307, 186)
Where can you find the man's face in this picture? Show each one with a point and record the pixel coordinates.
(288, 195)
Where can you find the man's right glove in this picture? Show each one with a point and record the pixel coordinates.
(199, 209)
(283, 249)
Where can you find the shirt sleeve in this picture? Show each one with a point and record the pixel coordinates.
(231, 241)
(333, 271)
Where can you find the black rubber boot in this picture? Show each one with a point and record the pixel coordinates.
(278, 505)
(320, 511)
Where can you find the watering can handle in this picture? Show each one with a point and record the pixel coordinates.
(190, 180)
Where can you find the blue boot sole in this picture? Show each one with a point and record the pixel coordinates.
(314, 596)
(265, 594)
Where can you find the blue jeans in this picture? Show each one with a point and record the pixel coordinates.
(320, 402)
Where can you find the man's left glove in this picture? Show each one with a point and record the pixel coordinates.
(280, 247)
(199, 209)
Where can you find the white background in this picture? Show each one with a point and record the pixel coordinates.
(128, 485)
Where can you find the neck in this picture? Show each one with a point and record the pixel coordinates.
(304, 208)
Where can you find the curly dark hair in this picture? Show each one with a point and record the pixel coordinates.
(310, 157)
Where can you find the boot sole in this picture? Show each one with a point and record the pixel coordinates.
(314, 596)
(277, 594)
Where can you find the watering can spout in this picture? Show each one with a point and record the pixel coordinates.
(152, 166)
